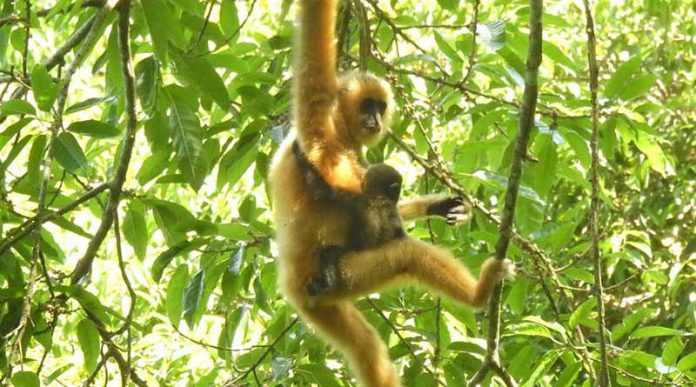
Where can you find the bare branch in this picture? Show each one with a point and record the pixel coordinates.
(84, 265)
(603, 379)
(525, 125)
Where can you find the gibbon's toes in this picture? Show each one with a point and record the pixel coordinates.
(507, 269)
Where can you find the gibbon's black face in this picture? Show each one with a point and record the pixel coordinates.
(383, 180)
(371, 112)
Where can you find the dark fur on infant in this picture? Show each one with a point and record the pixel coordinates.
(374, 218)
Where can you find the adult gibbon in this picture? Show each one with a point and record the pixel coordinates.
(374, 217)
(335, 116)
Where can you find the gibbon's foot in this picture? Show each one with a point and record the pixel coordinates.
(453, 209)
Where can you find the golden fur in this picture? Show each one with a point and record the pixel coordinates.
(327, 127)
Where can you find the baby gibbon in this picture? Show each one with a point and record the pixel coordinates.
(335, 116)
(374, 218)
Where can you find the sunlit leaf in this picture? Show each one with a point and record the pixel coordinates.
(187, 137)
(43, 87)
(135, 230)
(93, 128)
(90, 342)
(175, 294)
(25, 379)
(654, 331)
(69, 153)
(192, 297)
(620, 77)
(17, 106)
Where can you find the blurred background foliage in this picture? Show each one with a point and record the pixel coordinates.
(183, 288)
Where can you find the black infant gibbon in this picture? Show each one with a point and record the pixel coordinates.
(335, 116)
(374, 218)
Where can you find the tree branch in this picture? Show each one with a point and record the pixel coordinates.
(31, 224)
(603, 377)
(525, 125)
(84, 265)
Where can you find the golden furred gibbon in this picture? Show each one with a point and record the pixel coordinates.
(335, 116)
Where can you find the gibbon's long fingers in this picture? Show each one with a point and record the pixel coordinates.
(434, 267)
(343, 325)
(415, 208)
(316, 82)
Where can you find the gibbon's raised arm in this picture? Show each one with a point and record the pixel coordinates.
(452, 208)
(315, 74)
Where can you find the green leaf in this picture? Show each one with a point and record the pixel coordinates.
(93, 128)
(156, 19)
(87, 300)
(201, 74)
(88, 337)
(650, 148)
(569, 375)
(545, 170)
(235, 162)
(43, 87)
(672, 350)
(450, 5)
(153, 166)
(229, 17)
(517, 296)
(446, 48)
(579, 145)
(10, 131)
(637, 87)
(163, 259)
(321, 375)
(582, 312)
(620, 77)
(175, 294)
(25, 379)
(69, 153)
(687, 362)
(527, 329)
(542, 367)
(135, 230)
(17, 106)
(192, 297)
(88, 103)
(173, 219)
(654, 331)
(187, 137)
(557, 55)
(147, 77)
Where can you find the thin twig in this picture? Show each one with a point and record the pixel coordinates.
(131, 293)
(235, 33)
(403, 340)
(603, 377)
(84, 265)
(474, 29)
(268, 350)
(32, 223)
(524, 127)
(27, 36)
(206, 21)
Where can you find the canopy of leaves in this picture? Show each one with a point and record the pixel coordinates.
(182, 288)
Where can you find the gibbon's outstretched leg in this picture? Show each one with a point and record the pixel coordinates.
(342, 324)
(408, 259)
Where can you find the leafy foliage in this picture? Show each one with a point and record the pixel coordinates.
(183, 289)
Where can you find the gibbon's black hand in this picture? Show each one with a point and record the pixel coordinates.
(453, 209)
